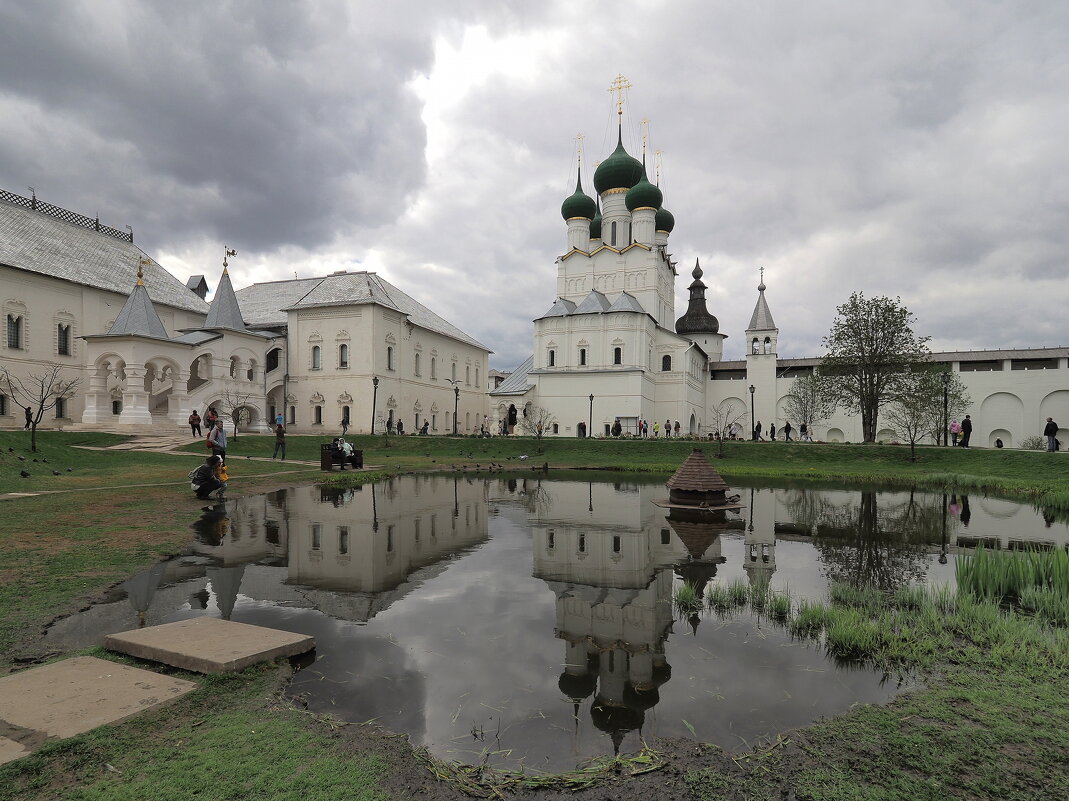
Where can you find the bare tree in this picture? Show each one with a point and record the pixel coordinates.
(234, 405)
(724, 417)
(39, 392)
(537, 422)
(810, 401)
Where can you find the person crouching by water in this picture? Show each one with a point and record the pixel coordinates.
(208, 478)
(217, 441)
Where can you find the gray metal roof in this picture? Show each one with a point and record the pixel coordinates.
(197, 337)
(138, 317)
(762, 317)
(560, 308)
(594, 303)
(224, 311)
(267, 304)
(937, 356)
(517, 383)
(626, 303)
(38, 243)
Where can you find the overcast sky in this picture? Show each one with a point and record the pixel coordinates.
(912, 148)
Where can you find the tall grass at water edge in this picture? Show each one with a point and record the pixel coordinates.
(1035, 581)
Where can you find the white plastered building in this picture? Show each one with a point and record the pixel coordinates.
(609, 347)
(148, 349)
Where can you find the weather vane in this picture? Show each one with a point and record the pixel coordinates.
(141, 263)
(618, 86)
(227, 253)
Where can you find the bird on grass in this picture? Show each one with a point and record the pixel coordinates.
(70, 469)
(22, 458)
(55, 472)
(24, 474)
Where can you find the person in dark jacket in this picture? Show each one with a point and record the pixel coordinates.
(204, 480)
(966, 431)
(787, 431)
(1050, 431)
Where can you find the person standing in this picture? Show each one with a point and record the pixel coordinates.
(772, 432)
(400, 428)
(787, 431)
(1050, 431)
(345, 423)
(279, 419)
(955, 432)
(757, 432)
(29, 417)
(194, 424)
(966, 431)
(656, 429)
(677, 430)
(280, 441)
(217, 441)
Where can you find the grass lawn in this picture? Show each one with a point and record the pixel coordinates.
(1030, 475)
(991, 723)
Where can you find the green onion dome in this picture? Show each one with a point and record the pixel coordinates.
(595, 226)
(664, 221)
(643, 194)
(578, 204)
(618, 171)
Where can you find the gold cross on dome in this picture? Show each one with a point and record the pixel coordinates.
(645, 123)
(618, 85)
(579, 147)
(657, 163)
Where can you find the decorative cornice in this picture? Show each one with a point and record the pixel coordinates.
(587, 219)
(617, 191)
(644, 208)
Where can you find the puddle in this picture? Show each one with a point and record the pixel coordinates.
(531, 622)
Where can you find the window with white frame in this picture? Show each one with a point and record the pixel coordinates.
(14, 331)
(317, 357)
(343, 356)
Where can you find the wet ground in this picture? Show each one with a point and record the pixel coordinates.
(531, 622)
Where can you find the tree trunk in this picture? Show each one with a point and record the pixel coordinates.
(33, 437)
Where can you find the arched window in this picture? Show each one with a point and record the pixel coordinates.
(345, 414)
(756, 345)
(666, 364)
(317, 357)
(434, 367)
(318, 415)
(454, 371)
(250, 374)
(343, 356)
(617, 355)
(272, 359)
(389, 357)
(476, 376)
(582, 357)
(612, 235)
(552, 358)
(768, 345)
(417, 364)
(234, 366)
(467, 376)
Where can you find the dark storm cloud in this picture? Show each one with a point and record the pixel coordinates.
(909, 148)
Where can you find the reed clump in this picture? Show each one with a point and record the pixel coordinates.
(687, 600)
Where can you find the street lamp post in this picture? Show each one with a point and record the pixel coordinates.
(374, 400)
(753, 419)
(456, 406)
(590, 420)
(946, 404)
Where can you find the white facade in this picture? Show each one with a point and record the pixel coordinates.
(607, 349)
(149, 351)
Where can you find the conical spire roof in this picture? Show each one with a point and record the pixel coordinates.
(762, 317)
(224, 311)
(138, 316)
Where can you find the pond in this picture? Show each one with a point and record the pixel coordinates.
(528, 621)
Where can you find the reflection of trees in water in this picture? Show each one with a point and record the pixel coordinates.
(870, 540)
(536, 498)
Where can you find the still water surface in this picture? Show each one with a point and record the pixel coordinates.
(529, 621)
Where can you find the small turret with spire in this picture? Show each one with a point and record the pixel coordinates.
(697, 324)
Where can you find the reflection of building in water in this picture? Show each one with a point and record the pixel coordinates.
(350, 552)
(760, 552)
(609, 563)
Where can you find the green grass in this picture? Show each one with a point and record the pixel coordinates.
(225, 740)
(1004, 576)
(686, 599)
(991, 722)
(1039, 477)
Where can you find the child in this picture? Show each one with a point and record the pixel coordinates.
(223, 476)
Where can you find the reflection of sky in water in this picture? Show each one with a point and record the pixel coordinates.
(455, 626)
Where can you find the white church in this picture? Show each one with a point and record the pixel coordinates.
(610, 348)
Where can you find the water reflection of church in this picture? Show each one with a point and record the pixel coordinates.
(609, 555)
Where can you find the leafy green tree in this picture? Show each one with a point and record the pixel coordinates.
(810, 401)
(871, 349)
(917, 413)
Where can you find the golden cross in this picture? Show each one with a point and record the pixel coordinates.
(762, 274)
(645, 123)
(619, 84)
(579, 147)
(657, 160)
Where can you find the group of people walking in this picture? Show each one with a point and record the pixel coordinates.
(804, 433)
(960, 433)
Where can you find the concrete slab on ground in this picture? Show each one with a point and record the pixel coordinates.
(209, 645)
(73, 696)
